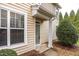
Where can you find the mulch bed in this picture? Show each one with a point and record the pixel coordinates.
(32, 53)
(65, 50)
(59, 48)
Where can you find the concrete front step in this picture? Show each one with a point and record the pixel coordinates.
(50, 52)
(42, 48)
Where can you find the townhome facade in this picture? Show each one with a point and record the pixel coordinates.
(26, 26)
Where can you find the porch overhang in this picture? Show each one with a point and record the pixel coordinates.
(42, 12)
(46, 11)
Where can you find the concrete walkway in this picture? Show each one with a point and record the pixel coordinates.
(51, 52)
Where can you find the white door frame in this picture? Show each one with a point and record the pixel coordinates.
(37, 45)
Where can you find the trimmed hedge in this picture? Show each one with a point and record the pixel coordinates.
(8, 52)
(66, 33)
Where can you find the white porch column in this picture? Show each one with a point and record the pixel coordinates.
(50, 34)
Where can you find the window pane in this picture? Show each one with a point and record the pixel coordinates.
(3, 14)
(3, 23)
(12, 19)
(12, 15)
(18, 21)
(17, 36)
(3, 18)
(3, 37)
(12, 22)
(22, 21)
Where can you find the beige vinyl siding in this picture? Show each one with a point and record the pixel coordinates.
(26, 8)
(44, 31)
(44, 28)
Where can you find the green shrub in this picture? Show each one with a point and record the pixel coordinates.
(7, 52)
(66, 33)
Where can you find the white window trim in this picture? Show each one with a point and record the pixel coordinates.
(8, 27)
(13, 46)
(25, 29)
(8, 46)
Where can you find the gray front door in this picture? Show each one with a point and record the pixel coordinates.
(37, 32)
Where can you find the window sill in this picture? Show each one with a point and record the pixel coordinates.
(13, 46)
